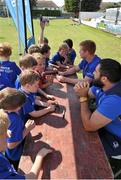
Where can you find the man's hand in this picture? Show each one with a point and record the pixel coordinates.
(30, 124)
(82, 89)
(60, 78)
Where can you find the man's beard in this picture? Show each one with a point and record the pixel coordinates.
(97, 83)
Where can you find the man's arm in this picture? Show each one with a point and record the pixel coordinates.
(63, 79)
(92, 121)
(70, 71)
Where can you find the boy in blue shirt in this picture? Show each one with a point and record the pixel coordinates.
(60, 57)
(8, 69)
(72, 53)
(87, 65)
(11, 101)
(26, 62)
(29, 86)
(45, 51)
(6, 169)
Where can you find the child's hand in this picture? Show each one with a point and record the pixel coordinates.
(51, 108)
(44, 152)
(50, 97)
(30, 124)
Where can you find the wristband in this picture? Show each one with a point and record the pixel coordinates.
(83, 99)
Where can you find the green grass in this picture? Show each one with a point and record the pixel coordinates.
(108, 45)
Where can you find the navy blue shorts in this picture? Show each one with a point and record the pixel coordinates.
(111, 143)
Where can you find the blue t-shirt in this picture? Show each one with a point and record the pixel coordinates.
(97, 92)
(110, 107)
(29, 105)
(89, 68)
(72, 56)
(8, 74)
(16, 127)
(17, 83)
(57, 58)
(46, 62)
(7, 171)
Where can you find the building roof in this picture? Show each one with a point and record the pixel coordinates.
(46, 4)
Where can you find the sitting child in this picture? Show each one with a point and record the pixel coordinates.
(8, 69)
(87, 66)
(29, 86)
(34, 49)
(6, 169)
(45, 51)
(46, 80)
(11, 100)
(26, 62)
(72, 53)
(60, 57)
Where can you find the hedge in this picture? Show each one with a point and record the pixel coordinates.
(46, 12)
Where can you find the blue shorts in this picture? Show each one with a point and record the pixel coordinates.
(111, 143)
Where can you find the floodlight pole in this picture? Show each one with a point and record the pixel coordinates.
(18, 25)
(117, 15)
(80, 5)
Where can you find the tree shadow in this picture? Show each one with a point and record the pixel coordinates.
(52, 120)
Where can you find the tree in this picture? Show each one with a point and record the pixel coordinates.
(67, 5)
(72, 5)
(33, 3)
(90, 5)
(86, 5)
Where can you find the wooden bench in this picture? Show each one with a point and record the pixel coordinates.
(77, 154)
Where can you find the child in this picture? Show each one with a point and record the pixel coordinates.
(11, 101)
(45, 51)
(34, 49)
(59, 58)
(6, 169)
(72, 53)
(29, 86)
(8, 69)
(87, 65)
(45, 80)
(26, 62)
